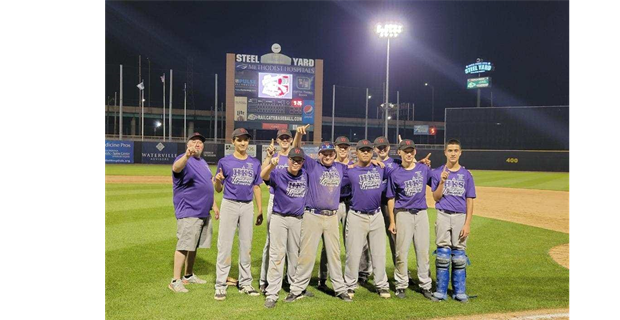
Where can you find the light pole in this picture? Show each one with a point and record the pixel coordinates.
(432, 101)
(388, 30)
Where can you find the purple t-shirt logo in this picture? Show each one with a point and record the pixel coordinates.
(297, 189)
(370, 180)
(414, 185)
(243, 176)
(455, 187)
(330, 178)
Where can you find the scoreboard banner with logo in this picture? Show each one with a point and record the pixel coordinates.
(274, 93)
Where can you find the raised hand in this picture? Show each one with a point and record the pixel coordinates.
(399, 139)
(426, 160)
(271, 149)
(191, 149)
(274, 161)
(303, 129)
(444, 174)
(219, 176)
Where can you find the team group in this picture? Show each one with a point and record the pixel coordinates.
(308, 199)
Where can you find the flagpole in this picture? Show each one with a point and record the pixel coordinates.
(215, 135)
(185, 112)
(170, 110)
(120, 115)
(163, 120)
(142, 104)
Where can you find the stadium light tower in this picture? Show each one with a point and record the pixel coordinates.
(388, 30)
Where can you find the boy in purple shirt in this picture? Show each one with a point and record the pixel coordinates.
(406, 193)
(290, 185)
(365, 222)
(284, 140)
(454, 192)
(192, 195)
(238, 175)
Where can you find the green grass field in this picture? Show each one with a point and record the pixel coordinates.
(510, 271)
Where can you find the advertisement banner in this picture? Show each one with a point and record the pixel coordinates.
(307, 117)
(117, 151)
(275, 126)
(421, 130)
(159, 152)
(229, 149)
(241, 108)
(212, 153)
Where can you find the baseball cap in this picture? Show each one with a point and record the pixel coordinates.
(381, 141)
(326, 146)
(240, 132)
(407, 143)
(342, 140)
(297, 153)
(364, 144)
(198, 136)
(283, 132)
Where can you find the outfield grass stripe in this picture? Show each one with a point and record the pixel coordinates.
(136, 192)
(131, 234)
(131, 204)
(141, 196)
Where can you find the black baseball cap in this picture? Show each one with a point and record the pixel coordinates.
(240, 132)
(198, 136)
(381, 141)
(364, 144)
(296, 153)
(407, 143)
(342, 140)
(284, 132)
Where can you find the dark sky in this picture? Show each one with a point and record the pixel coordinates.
(528, 42)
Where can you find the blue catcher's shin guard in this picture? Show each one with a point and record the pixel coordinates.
(443, 272)
(459, 262)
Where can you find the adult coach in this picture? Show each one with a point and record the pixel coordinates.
(192, 195)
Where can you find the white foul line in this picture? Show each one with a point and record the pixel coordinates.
(546, 316)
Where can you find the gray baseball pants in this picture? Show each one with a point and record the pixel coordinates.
(391, 237)
(341, 213)
(285, 235)
(412, 226)
(448, 227)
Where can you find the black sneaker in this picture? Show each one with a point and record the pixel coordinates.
(351, 293)
(292, 297)
(262, 288)
(362, 280)
(270, 303)
(384, 293)
(345, 297)
(322, 286)
(308, 294)
(428, 295)
(400, 293)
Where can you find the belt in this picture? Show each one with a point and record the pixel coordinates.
(286, 214)
(322, 212)
(367, 212)
(242, 201)
(450, 211)
(412, 211)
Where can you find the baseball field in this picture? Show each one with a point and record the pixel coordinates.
(518, 249)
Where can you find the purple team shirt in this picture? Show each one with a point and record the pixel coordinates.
(282, 163)
(240, 177)
(390, 165)
(367, 185)
(408, 187)
(192, 189)
(289, 191)
(324, 184)
(458, 187)
(345, 191)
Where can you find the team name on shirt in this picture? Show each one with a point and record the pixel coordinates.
(455, 186)
(243, 176)
(330, 178)
(414, 185)
(297, 189)
(370, 180)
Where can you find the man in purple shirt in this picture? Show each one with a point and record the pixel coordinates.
(454, 192)
(284, 140)
(324, 183)
(406, 193)
(238, 175)
(364, 220)
(290, 185)
(192, 195)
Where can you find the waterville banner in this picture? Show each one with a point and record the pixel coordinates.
(159, 152)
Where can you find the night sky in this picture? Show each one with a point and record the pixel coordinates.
(528, 42)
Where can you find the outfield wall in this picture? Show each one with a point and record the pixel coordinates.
(165, 152)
